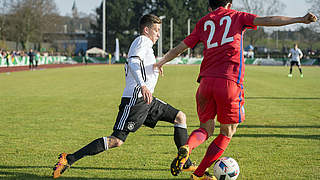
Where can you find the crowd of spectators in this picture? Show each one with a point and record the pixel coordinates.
(33, 56)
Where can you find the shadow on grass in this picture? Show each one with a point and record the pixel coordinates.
(27, 176)
(274, 126)
(83, 168)
(285, 98)
(257, 126)
(297, 136)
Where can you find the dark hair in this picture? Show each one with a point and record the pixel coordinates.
(214, 4)
(148, 20)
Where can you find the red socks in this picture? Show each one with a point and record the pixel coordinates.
(214, 151)
(196, 138)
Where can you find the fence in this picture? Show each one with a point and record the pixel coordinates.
(254, 61)
(24, 61)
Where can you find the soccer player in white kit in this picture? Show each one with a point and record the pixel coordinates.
(296, 54)
(138, 107)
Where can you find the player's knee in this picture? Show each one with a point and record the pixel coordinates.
(229, 134)
(228, 130)
(208, 126)
(209, 131)
(181, 118)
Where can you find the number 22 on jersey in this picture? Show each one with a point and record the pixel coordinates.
(225, 39)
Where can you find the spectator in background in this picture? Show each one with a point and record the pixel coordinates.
(13, 56)
(1, 56)
(7, 57)
(295, 54)
(37, 59)
(31, 57)
(83, 56)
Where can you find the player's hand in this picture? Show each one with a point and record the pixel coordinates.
(309, 18)
(158, 67)
(147, 95)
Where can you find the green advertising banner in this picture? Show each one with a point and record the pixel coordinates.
(24, 61)
(254, 61)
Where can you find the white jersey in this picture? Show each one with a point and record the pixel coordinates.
(295, 54)
(139, 67)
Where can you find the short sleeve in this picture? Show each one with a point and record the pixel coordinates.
(193, 38)
(247, 20)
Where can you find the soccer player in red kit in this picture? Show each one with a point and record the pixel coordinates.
(220, 92)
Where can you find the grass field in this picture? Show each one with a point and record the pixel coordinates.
(46, 112)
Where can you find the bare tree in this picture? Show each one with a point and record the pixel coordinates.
(261, 8)
(4, 6)
(315, 8)
(32, 18)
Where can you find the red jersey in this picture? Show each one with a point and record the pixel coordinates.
(221, 33)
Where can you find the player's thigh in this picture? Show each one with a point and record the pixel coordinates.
(206, 103)
(295, 63)
(132, 114)
(292, 63)
(160, 111)
(230, 100)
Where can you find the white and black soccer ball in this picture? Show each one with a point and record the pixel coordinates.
(226, 168)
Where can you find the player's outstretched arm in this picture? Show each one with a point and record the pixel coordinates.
(173, 53)
(284, 20)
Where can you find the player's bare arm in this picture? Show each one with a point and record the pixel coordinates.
(283, 20)
(173, 53)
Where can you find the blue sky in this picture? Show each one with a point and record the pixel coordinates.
(86, 6)
(294, 7)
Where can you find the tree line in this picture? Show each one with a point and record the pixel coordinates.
(123, 17)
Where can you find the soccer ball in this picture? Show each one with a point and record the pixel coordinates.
(226, 168)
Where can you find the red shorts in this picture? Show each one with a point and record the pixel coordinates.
(222, 97)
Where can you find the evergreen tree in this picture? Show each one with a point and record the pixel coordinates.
(123, 19)
(119, 14)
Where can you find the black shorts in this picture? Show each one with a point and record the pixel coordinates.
(133, 113)
(295, 63)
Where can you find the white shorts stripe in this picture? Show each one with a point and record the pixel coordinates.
(127, 108)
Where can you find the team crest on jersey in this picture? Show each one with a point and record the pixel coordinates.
(131, 125)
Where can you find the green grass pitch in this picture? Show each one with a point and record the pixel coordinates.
(46, 112)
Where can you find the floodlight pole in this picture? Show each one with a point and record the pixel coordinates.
(188, 34)
(104, 37)
(160, 39)
(277, 40)
(171, 33)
